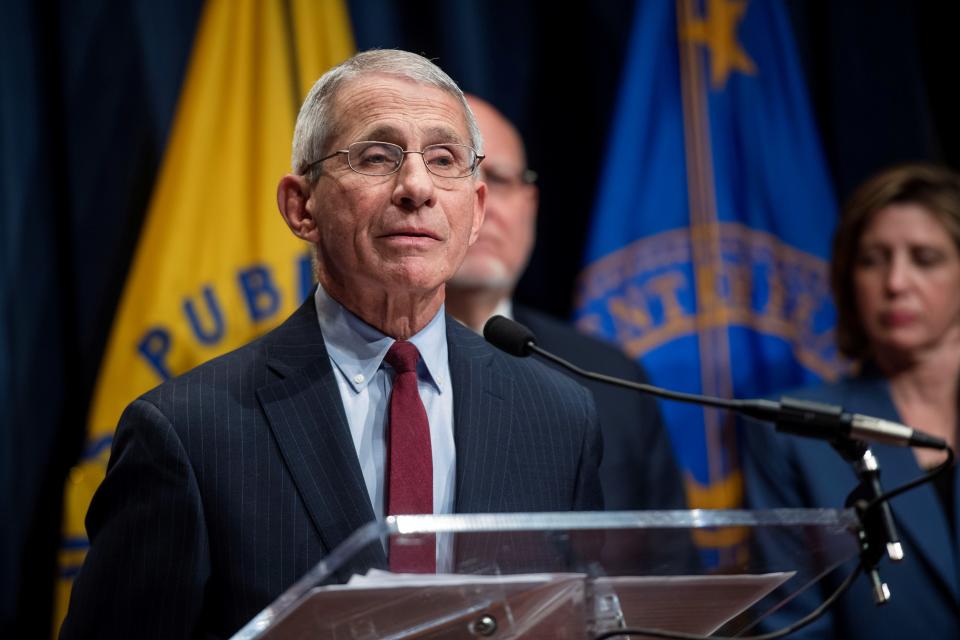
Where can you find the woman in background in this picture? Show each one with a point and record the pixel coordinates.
(895, 274)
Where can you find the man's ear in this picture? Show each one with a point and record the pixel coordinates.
(293, 192)
(479, 211)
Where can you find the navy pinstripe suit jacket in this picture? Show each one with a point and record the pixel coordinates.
(228, 483)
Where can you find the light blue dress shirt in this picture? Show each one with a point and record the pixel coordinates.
(356, 352)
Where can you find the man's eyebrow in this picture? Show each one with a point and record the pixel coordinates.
(444, 134)
(382, 133)
(432, 135)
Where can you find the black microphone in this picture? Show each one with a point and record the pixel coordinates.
(509, 335)
(799, 417)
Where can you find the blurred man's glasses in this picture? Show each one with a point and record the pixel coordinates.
(498, 180)
(372, 158)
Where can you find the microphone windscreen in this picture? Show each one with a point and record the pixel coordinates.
(508, 335)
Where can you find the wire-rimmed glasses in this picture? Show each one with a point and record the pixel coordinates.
(374, 158)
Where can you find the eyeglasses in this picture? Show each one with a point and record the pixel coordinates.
(372, 158)
(499, 180)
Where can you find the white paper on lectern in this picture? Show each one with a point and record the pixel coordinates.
(377, 578)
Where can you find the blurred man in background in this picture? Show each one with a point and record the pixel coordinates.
(638, 469)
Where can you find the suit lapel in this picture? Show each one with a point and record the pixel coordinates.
(918, 514)
(481, 425)
(305, 412)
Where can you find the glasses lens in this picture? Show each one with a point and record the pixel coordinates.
(497, 180)
(450, 160)
(374, 158)
(502, 180)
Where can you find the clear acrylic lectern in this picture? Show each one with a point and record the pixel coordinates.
(559, 575)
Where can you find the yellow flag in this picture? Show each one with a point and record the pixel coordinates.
(215, 265)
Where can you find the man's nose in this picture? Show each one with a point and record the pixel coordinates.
(415, 186)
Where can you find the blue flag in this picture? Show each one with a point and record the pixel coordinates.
(707, 255)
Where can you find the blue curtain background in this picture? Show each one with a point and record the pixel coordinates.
(87, 93)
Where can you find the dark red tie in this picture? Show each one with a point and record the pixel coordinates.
(409, 462)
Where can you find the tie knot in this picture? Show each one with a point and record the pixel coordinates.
(403, 356)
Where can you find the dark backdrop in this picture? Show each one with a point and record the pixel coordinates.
(88, 89)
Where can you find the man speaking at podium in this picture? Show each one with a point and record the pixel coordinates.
(228, 483)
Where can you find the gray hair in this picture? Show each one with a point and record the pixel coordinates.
(316, 121)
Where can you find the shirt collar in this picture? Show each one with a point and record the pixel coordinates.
(357, 349)
(504, 308)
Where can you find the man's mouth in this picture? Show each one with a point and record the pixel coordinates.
(412, 233)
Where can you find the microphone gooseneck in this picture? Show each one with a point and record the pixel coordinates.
(799, 417)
